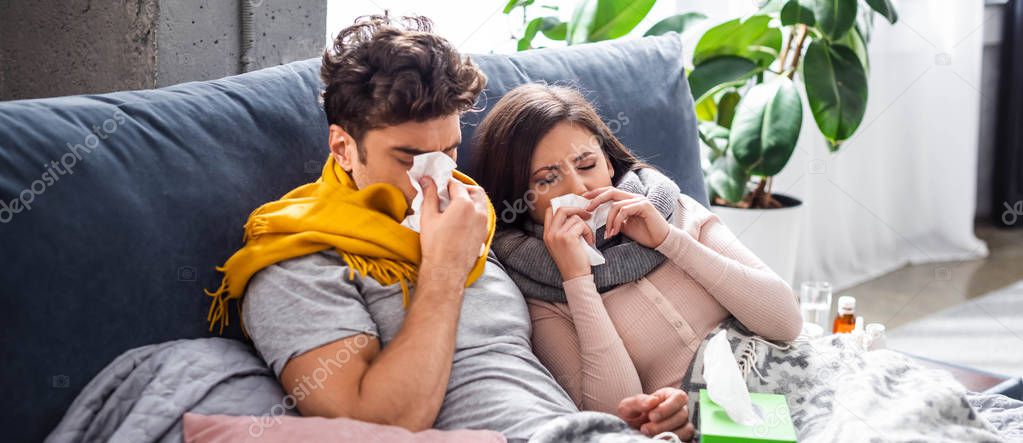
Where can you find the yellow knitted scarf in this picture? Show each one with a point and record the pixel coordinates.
(362, 225)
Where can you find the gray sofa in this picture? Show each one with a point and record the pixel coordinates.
(116, 207)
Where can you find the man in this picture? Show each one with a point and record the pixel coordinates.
(365, 345)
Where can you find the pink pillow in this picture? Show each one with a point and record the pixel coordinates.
(266, 429)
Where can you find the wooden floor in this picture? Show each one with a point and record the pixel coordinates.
(967, 314)
(917, 291)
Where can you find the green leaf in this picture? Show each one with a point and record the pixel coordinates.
(719, 70)
(727, 178)
(834, 17)
(766, 127)
(885, 8)
(714, 136)
(795, 12)
(534, 26)
(747, 38)
(677, 23)
(865, 24)
(713, 130)
(512, 4)
(557, 32)
(706, 110)
(726, 108)
(836, 87)
(855, 41)
(526, 42)
(615, 18)
(714, 149)
(579, 24)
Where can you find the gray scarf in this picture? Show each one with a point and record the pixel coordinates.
(525, 256)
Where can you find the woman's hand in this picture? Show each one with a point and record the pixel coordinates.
(631, 214)
(561, 232)
(665, 410)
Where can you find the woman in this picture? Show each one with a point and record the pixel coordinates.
(673, 271)
(674, 275)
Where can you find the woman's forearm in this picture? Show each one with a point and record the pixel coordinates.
(608, 373)
(736, 278)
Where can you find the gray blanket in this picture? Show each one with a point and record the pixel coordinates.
(142, 395)
(837, 391)
(1004, 413)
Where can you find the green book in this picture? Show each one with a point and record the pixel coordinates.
(717, 427)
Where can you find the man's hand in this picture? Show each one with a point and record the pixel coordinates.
(404, 384)
(451, 240)
(663, 411)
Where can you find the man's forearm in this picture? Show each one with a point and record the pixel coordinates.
(407, 381)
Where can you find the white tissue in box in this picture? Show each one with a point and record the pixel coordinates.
(437, 166)
(725, 384)
(598, 219)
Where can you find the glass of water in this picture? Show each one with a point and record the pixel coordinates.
(815, 303)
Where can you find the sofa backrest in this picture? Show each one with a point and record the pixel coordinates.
(116, 207)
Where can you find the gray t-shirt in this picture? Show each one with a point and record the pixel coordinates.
(496, 381)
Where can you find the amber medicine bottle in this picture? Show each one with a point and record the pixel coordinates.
(845, 321)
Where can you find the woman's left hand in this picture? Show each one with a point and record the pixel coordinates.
(665, 410)
(631, 214)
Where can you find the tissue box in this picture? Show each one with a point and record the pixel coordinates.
(716, 427)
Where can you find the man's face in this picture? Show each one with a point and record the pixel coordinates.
(389, 150)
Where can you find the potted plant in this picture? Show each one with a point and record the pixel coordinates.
(751, 111)
(745, 80)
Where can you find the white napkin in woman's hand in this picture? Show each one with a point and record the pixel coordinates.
(598, 219)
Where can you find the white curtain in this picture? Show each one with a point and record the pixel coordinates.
(902, 190)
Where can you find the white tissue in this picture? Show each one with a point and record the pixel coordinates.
(725, 384)
(598, 219)
(437, 166)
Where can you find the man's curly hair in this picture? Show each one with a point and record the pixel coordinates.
(385, 70)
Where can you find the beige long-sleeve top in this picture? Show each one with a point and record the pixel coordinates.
(641, 336)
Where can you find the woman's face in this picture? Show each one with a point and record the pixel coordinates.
(568, 160)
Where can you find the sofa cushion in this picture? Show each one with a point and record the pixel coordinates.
(131, 199)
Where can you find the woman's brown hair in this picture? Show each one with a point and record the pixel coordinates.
(508, 136)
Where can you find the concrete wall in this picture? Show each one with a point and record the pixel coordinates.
(53, 48)
(63, 47)
(200, 40)
(287, 31)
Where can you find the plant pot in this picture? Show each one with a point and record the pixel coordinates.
(772, 234)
